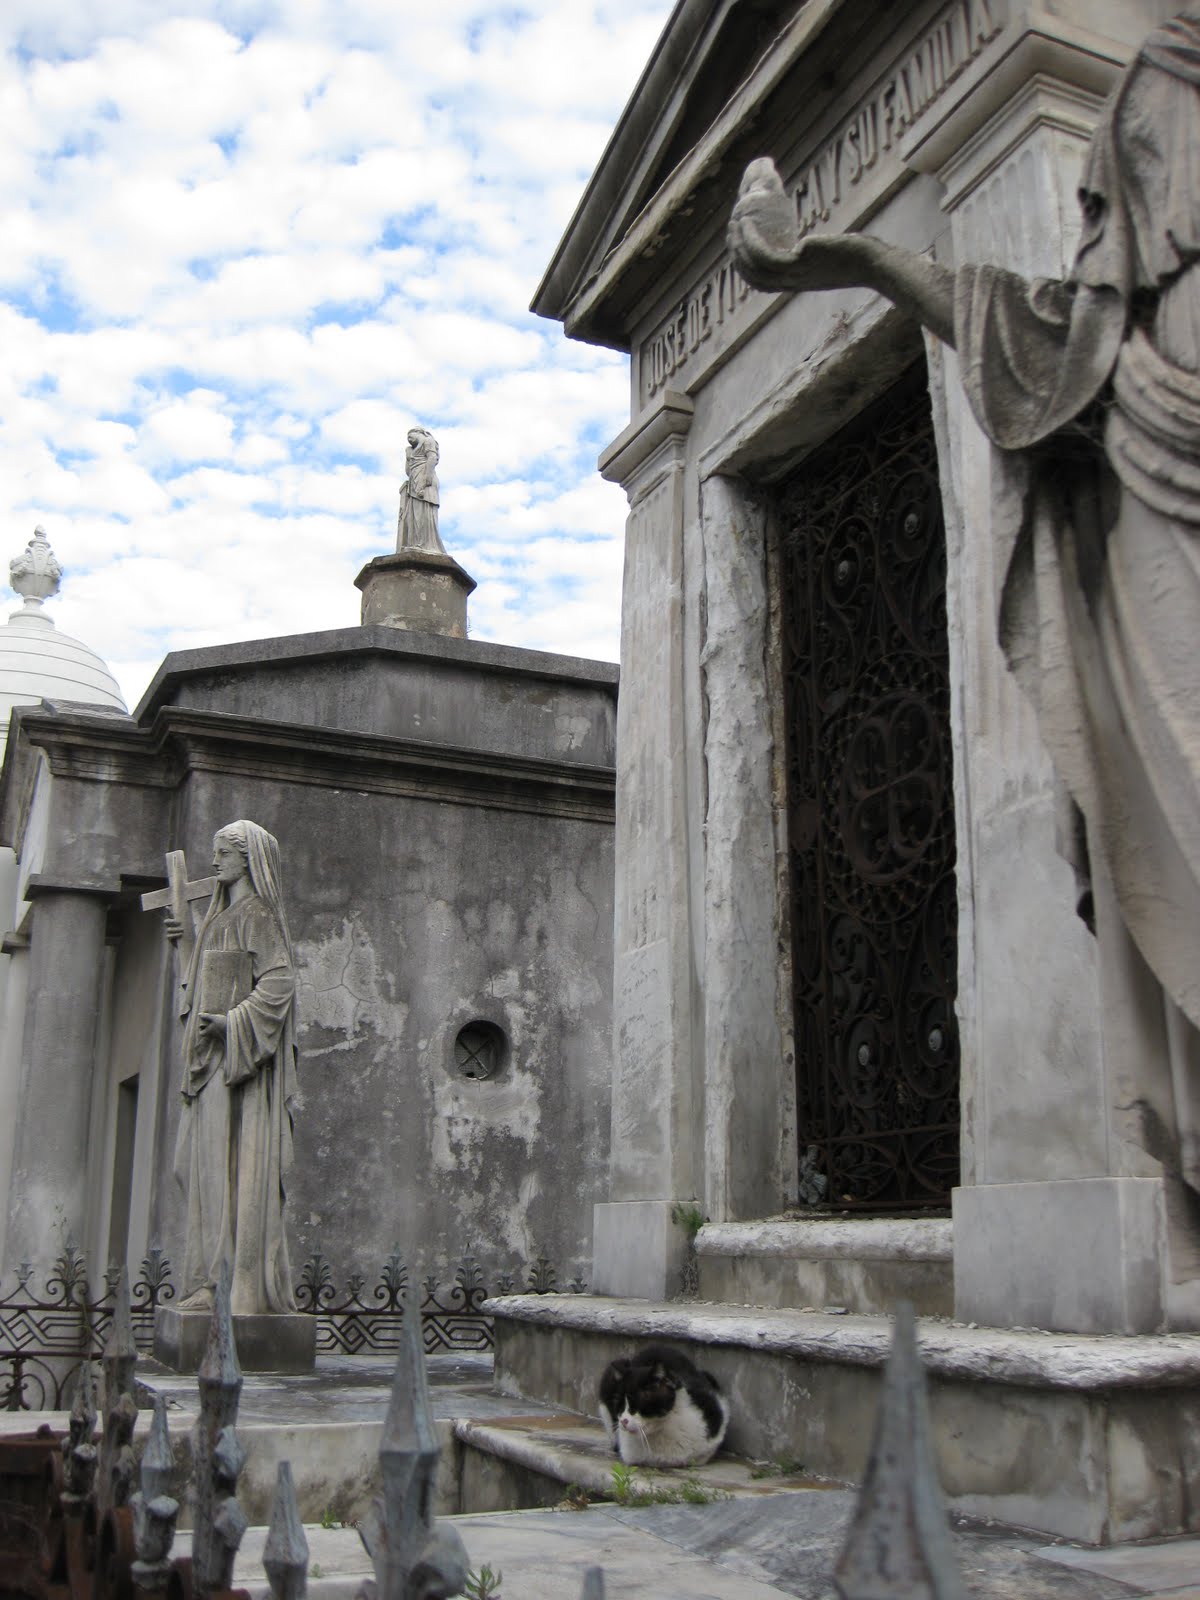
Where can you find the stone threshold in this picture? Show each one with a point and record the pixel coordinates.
(1028, 1358)
(832, 1239)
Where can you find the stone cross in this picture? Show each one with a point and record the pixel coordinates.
(179, 898)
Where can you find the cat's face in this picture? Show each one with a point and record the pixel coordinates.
(649, 1394)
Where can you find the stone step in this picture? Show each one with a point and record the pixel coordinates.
(854, 1263)
(516, 1463)
(1089, 1437)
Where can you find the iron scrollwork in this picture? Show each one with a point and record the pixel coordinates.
(45, 1338)
(871, 811)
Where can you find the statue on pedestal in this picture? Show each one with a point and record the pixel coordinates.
(417, 528)
(239, 1085)
(1093, 385)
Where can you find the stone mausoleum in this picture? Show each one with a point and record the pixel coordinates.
(858, 1013)
(445, 814)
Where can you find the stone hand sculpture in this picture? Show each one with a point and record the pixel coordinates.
(234, 1145)
(1093, 385)
(418, 525)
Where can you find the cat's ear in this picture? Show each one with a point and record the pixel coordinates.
(661, 1375)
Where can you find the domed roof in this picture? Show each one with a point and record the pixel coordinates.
(37, 662)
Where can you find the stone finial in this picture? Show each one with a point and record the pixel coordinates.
(120, 1409)
(413, 1558)
(285, 1554)
(154, 1508)
(219, 1521)
(35, 575)
(899, 1540)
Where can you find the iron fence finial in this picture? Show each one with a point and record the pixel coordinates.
(898, 1546)
(285, 1554)
(413, 1558)
(153, 1506)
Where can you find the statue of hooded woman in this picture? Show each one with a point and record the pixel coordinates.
(234, 1145)
(417, 526)
(1092, 385)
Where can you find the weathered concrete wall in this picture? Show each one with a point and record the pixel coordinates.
(448, 863)
(411, 919)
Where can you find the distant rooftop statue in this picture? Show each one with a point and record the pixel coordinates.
(417, 528)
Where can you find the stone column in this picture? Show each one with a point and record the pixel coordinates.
(1052, 1228)
(657, 1104)
(48, 1185)
(749, 1084)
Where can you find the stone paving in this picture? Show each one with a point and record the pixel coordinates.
(770, 1537)
(744, 1549)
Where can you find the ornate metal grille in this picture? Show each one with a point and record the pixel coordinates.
(871, 811)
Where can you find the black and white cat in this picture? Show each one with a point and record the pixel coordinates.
(660, 1410)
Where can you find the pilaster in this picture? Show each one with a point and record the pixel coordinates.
(749, 1085)
(657, 1103)
(47, 1192)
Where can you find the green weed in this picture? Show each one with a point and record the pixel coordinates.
(484, 1584)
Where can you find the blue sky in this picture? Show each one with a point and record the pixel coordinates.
(243, 247)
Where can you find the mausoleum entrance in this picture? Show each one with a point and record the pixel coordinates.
(871, 811)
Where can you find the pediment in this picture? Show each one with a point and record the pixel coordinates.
(708, 52)
(847, 96)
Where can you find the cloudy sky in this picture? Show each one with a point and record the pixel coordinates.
(244, 244)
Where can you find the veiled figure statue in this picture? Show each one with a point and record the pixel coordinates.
(234, 1146)
(417, 528)
(1093, 387)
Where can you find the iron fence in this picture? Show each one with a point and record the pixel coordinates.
(46, 1334)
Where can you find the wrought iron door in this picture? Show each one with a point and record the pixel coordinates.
(871, 812)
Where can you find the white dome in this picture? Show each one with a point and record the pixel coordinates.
(36, 661)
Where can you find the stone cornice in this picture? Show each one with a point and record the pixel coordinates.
(178, 741)
(305, 649)
(44, 883)
(668, 422)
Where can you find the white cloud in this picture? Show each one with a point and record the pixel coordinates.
(244, 244)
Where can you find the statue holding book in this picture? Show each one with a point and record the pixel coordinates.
(239, 1085)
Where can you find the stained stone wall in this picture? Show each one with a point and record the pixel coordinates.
(444, 811)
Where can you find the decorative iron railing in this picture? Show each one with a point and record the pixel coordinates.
(362, 1321)
(44, 1337)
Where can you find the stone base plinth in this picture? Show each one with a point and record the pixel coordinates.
(638, 1249)
(416, 590)
(277, 1342)
(1077, 1255)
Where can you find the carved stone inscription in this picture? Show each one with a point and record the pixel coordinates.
(940, 56)
(700, 314)
(839, 181)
